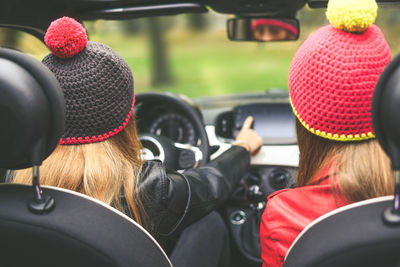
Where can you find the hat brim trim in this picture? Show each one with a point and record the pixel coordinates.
(333, 136)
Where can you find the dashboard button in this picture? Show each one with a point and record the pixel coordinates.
(238, 217)
(280, 178)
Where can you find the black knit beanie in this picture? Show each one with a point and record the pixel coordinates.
(96, 81)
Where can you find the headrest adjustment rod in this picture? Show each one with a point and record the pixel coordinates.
(396, 204)
(391, 215)
(40, 203)
(37, 191)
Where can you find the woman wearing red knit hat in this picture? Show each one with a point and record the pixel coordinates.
(331, 82)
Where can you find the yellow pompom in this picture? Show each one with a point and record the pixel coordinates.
(352, 15)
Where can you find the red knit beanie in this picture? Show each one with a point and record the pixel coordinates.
(333, 74)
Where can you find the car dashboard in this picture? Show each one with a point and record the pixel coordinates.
(273, 168)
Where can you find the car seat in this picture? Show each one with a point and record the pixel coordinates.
(365, 233)
(48, 226)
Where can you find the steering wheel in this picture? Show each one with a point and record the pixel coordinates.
(174, 155)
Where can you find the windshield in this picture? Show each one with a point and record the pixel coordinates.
(191, 54)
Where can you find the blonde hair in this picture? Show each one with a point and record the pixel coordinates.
(105, 170)
(362, 169)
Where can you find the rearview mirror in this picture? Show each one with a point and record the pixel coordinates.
(263, 29)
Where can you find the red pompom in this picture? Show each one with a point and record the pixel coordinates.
(65, 37)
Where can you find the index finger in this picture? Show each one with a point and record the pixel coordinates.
(248, 122)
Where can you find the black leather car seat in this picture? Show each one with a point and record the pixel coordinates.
(47, 226)
(354, 235)
(366, 233)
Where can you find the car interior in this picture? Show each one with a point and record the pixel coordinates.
(58, 227)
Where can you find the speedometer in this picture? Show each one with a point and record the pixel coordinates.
(175, 127)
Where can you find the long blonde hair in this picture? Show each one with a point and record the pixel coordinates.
(103, 170)
(362, 168)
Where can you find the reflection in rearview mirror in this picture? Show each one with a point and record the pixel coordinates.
(263, 29)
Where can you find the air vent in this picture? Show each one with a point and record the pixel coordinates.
(224, 125)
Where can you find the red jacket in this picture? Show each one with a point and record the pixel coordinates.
(289, 211)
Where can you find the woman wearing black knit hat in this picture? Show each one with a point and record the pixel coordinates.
(99, 152)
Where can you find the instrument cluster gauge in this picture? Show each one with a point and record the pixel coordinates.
(175, 127)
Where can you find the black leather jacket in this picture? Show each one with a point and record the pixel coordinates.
(174, 200)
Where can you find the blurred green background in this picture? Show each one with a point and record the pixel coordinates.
(191, 54)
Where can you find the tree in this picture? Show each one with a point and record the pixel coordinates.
(198, 22)
(161, 74)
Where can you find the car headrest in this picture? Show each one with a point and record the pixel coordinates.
(386, 111)
(32, 111)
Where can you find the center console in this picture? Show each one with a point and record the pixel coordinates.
(246, 206)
